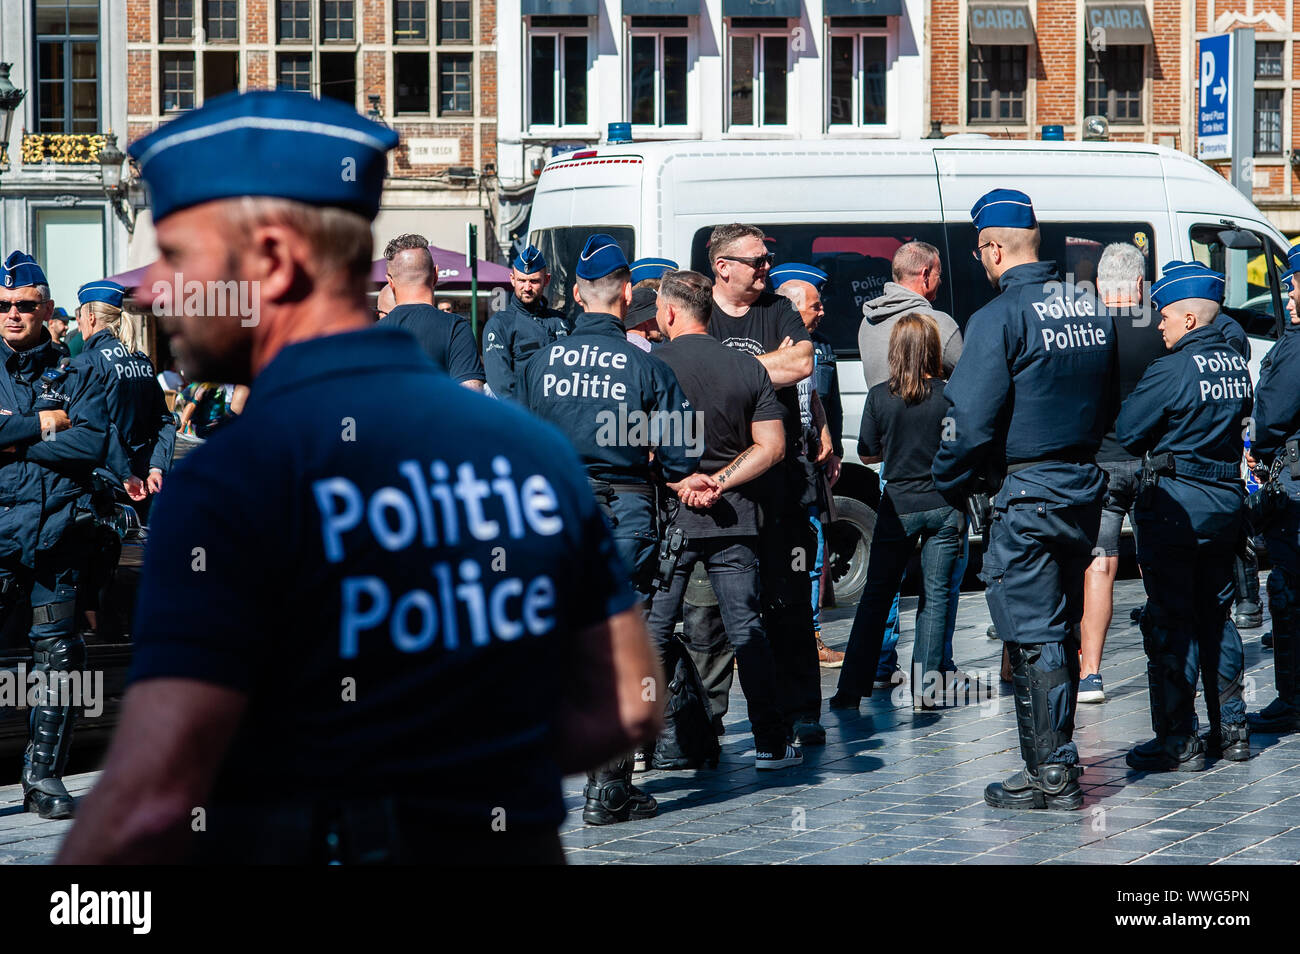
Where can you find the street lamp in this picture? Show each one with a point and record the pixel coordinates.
(115, 190)
(10, 97)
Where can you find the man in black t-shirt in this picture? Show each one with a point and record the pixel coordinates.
(743, 439)
(748, 317)
(446, 338)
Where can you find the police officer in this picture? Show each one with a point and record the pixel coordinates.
(1030, 401)
(1187, 415)
(642, 330)
(1245, 565)
(46, 527)
(526, 325)
(356, 641)
(618, 406)
(1277, 441)
(142, 427)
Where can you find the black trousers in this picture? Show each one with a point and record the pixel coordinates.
(732, 565)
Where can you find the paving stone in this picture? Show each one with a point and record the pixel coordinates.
(897, 788)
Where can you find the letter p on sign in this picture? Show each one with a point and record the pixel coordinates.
(1207, 74)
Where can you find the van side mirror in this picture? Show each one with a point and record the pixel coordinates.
(1240, 239)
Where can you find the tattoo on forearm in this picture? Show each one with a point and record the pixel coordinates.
(730, 470)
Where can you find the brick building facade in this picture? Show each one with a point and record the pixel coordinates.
(1006, 68)
(1009, 68)
(425, 67)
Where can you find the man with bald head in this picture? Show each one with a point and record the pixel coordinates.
(917, 274)
(446, 338)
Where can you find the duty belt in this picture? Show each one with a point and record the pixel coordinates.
(1179, 465)
(1059, 459)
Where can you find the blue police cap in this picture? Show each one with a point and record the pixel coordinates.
(600, 256)
(110, 293)
(20, 269)
(788, 271)
(277, 144)
(530, 260)
(1293, 260)
(644, 268)
(60, 312)
(1003, 209)
(1179, 280)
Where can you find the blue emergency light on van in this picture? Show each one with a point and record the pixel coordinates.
(1053, 134)
(619, 132)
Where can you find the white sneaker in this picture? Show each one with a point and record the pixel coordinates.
(778, 760)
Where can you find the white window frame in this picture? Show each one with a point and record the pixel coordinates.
(857, 128)
(658, 126)
(791, 96)
(576, 130)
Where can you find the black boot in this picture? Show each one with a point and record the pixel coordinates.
(1283, 713)
(1231, 742)
(1171, 750)
(611, 796)
(1247, 613)
(1170, 753)
(51, 733)
(1039, 784)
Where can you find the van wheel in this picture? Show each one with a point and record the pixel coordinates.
(848, 543)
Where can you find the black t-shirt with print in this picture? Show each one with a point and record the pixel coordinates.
(770, 320)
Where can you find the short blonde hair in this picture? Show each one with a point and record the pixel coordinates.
(106, 315)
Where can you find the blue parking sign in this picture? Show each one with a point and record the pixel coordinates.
(1214, 97)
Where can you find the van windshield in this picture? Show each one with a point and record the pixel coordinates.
(562, 246)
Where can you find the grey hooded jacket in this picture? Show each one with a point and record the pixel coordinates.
(878, 318)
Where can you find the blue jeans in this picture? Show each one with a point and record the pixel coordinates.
(940, 532)
(889, 648)
(815, 572)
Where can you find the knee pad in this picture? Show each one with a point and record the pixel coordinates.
(60, 653)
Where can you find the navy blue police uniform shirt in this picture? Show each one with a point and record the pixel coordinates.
(1194, 403)
(1277, 399)
(1233, 333)
(441, 567)
(1036, 382)
(446, 338)
(613, 401)
(770, 320)
(729, 390)
(42, 481)
(140, 424)
(512, 336)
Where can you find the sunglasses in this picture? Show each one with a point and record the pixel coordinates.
(757, 262)
(979, 250)
(24, 307)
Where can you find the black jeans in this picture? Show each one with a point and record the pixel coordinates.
(940, 533)
(732, 565)
(787, 549)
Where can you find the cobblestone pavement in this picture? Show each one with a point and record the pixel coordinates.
(894, 787)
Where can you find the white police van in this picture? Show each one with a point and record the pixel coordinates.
(847, 206)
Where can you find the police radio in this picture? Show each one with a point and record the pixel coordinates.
(51, 396)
